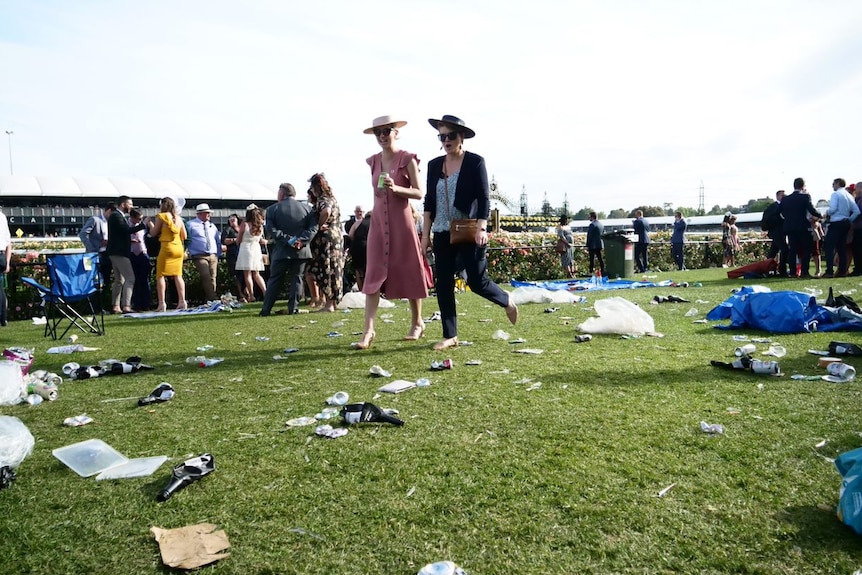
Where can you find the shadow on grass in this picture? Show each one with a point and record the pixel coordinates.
(818, 529)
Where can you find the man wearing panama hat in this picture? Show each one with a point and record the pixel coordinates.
(204, 248)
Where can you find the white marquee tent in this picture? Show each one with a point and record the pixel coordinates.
(94, 187)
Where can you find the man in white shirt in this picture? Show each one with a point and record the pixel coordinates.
(6, 247)
(841, 214)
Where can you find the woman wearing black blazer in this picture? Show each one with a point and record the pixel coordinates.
(461, 177)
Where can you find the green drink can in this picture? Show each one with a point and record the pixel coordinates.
(381, 181)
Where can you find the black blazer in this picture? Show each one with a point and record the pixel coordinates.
(795, 209)
(472, 195)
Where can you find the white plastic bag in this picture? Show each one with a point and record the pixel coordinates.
(356, 300)
(12, 388)
(522, 295)
(16, 441)
(618, 315)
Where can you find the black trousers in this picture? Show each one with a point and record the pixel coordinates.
(294, 268)
(141, 295)
(596, 253)
(836, 240)
(779, 247)
(678, 253)
(451, 259)
(799, 243)
(641, 257)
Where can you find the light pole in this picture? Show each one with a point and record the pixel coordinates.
(9, 134)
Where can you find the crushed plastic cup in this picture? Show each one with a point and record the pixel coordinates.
(378, 371)
(747, 349)
(691, 313)
(441, 365)
(77, 420)
(712, 428)
(775, 350)
(210, 361)
(500, 334)
(340, 398)
(70, 368)
(423, 382)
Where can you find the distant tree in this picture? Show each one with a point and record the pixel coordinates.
(582, 214)
(649, 211)
(617, 214)
(758, 205)
(601, 215)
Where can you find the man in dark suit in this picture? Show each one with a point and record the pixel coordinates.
(595, 245)
(290, 225)
(642, 244)
(795, 210)
(773, 224)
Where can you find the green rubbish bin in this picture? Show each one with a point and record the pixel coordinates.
(619, 255)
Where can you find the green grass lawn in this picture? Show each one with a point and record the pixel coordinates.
(501, 480)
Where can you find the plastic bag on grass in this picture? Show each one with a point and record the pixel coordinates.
(620, 316)
(522, 295)
(12, 387)
(16, 441)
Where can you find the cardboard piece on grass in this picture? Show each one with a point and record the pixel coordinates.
(397, 386)
(192, 546)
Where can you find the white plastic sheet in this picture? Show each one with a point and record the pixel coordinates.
(618, 315)
(12, 388)
(356, 300)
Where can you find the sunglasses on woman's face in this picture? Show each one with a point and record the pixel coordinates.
(451, 136)
(382, 131)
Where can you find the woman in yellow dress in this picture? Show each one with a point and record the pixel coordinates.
(169, 228)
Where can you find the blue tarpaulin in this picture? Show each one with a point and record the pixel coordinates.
(590, 284)
(780, 312)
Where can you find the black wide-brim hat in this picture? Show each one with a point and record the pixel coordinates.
(455, 123)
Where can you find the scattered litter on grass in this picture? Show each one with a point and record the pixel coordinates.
(802, 377)
(434, 317)
(535, 386)
(411, 491)
(818, 352)
(289, 350)
(192, 546)
(820, 444)
(700, 321)
(473, 362)
(337, 325)
(746, 349)
(441, 365)
(712, 428)
(759, 388)
(397, 386)
(775, 350)
(500, 372)
(278, 357)
(377, 371)
(583, 338)
(839, 372)
(500, 334)
(164, 392)
(518, 340)
(733, 410)
(262, 338)
(740, 338)
(334, 334)
(327, 413)
(523, 380)
(301, 531)
(700, 301)
(691, 313)
(330, 432)
(77, 420)
(442, 568)
(485, 320)
(761, 340)
(340, 398)
(67, 349)
(300, 421)
(205, 348)
(353, 413)
(551, 309)
(666, 490)
(463, 343)
(529, 351)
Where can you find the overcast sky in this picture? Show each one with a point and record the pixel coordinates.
(614, 103)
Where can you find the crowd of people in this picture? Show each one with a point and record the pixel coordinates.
(800, 233)
(391, 253)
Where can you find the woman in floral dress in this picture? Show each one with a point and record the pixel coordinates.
(327, 247)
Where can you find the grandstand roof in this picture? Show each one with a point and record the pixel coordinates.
(95, 187)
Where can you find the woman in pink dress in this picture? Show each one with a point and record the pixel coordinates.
(394, 263)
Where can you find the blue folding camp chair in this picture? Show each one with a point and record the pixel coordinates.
(73, 296)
